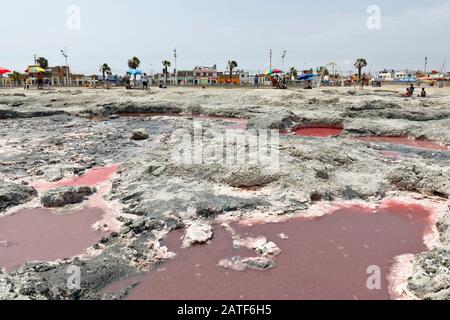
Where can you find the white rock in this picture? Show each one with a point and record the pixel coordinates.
(197, 234)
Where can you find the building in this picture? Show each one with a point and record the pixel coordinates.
(185, 77)
(387, 75)
(205, 75)
(405, 76)
(238, 77)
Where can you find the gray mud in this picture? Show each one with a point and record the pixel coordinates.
(54, 135)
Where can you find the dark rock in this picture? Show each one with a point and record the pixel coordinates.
(140, 134)
(12, 194)
(64, 196)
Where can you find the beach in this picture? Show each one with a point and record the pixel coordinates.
(334, 151)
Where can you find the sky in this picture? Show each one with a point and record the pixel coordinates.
(208, 32)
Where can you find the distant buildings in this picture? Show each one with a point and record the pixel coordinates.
(238, 77)
(397, 76)
(206, 75)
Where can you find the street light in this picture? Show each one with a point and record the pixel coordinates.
(64, 53)
(282, 60)
(176, 69)
(270, 54)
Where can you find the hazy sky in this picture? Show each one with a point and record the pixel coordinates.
(207, 32)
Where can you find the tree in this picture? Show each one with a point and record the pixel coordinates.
(360, 64)
(16, 77)
(166, 64)
(232, 65)
(106, 70)
(323, 70)
(42, 62)
(293, 73)
(133, 64)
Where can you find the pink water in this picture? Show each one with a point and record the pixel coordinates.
(91, 178)
(42, 234)
(410, 142)
(324, 258)
(322, 132)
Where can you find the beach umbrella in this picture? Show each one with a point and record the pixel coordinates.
(134, 72)
(35, 70)
(269, 72)
(4, 70)
(307, 77)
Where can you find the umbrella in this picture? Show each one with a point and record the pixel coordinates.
(4, 70)
(34, 70)
(307, 77)
(134, 72)
(272, 71)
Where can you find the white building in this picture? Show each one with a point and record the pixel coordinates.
(405, 74)
(387, 75)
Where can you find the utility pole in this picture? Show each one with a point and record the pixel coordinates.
(64, 53)
(282, 60)
(35, 59)
(270, 54)
(426, 64)
(176, 69)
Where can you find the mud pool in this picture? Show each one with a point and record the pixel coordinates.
(44, 235)
(323, 132)
(322, 258)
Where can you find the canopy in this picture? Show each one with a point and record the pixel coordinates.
(35, 69)
(4, 70)
(134, 72)
(307, 77)
(272, 71)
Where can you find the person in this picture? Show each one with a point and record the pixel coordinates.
(127, 81)
(40, 80)
(423, 94)
(412, 89)
(308, 85)
(257, 81)
(408, 93)
(26, 83)
(144, 81)
(363, 81)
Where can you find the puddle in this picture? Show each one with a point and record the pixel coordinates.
(409, 142)
(90, 178)
(321, 132)
(322, 258)
(42, 234)
(47, 234)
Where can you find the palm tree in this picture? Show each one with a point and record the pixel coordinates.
(360, 64)
(323, 70)
(42, 62)
(231, 65)
(293, 73)
(133, 64)
(166, 64)
(106, 70)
